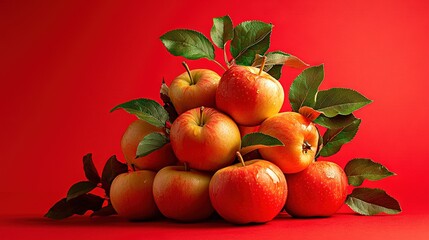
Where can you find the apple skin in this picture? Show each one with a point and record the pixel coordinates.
(182, 194)
(318, 191)
(207, 141)
(156, 160)
(247, 97)
(186, 95)
(254, 193)
(300, 139)
(132, 197)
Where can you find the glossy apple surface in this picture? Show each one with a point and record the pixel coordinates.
(299, 136)
(318, 191)
(156, 160)
(188, 92)
(182, 194)
(205, 139)
(249, 98)
(254, 193)
(132, 197)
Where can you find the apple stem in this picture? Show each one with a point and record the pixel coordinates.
(240, 158)
(201, 116)
(220, 65)
(189, 72)
(187, 169)
(264, 59)
(225, 57)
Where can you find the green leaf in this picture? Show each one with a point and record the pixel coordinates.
(359, 169)
(112, 169)
(147, 110)
(275, 71)
(341, 101)
(91, 172)
(334, 139)
(60, 210)
(304, 88)
(84, 203)
(222, 31)
(105, 211)
(370, 201)
(80, 188)
(250, 38)
(338, 121)
(188, 43)
(257, 140)
(150, 143)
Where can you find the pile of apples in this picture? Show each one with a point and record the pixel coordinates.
(194, 174)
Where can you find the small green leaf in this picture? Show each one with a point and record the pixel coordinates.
(112, 169)
(304, 88)
(147, 110)
(80, 188)
(341, 101)
(275, 71)
(370, 201)
(188, 43)
(107, 210)
(250, 38)
(334, 139)
(359, 169)
(222, 31)
(84, 203)
(91, 172)
(338, 121)
(257, 140)
(150, 143)
(60, 210)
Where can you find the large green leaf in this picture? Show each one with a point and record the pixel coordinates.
(338, 121)
(275, 60)
(257, 140)
(304, 88)
(188, 43)
(359, 169)
(369, 201)
(250, 38)
(222, 31)
(80, 188)
(62, 209)
(341, 101)
(147, 110)
(91, 172)
(79, 205)
(334, 139)
(111, 169)
(150, 143)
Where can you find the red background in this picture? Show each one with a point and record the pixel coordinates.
(64, 65)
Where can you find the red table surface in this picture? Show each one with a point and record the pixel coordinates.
(65, 64)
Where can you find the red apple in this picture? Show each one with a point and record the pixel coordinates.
(248, 192)
(182, 194)
(193, 89)
(318, 191)
(131, 195)
(249, 95)
(299, 136)
(205, 138)
(156, 160)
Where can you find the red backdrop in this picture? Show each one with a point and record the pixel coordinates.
(64, 65)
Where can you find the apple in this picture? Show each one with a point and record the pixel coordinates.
(193, 88)
(300, 139)
(318, 191)
(205, 138)
(249, 95)
(182, 194)
(156, 160)
(248, 192)
(131, 195)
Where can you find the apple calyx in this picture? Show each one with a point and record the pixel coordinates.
(261, 69)
(240, 158)
(201, 116)
(189, 72)
(306, 146)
